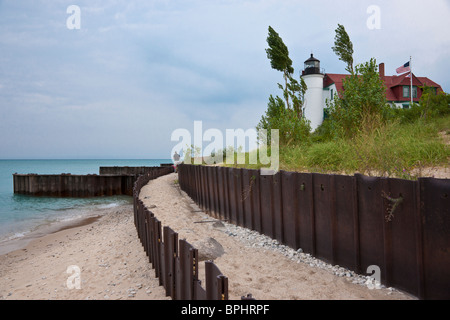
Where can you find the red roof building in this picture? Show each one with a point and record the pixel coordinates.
(397, 87)
(322, 87)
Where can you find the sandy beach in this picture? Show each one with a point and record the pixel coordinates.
(110, 262)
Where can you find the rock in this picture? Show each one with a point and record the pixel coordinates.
(208, 249)
(218, 224)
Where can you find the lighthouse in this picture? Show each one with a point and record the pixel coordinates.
(313, 99)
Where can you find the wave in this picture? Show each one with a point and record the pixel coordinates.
(30, 226)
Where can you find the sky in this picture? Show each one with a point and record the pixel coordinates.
(119, 83)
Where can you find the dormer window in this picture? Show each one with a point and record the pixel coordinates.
(407, 91)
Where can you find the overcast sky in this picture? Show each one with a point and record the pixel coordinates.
(137, 70)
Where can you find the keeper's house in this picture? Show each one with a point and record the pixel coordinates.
(323, 86)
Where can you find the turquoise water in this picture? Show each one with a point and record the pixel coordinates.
(20, 214)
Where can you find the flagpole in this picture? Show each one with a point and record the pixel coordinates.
(411, 76)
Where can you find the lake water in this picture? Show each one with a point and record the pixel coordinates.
(21, 215)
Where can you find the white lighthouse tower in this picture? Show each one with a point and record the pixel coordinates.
(313, 99)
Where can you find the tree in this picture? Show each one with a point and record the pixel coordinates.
(360, 106)
(292, 130)
(343, 47)
(278, 54)
(361, 103)
(296, 91)
(432, 103)
(287, 115)
(293, 90)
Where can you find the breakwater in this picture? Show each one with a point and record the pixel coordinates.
(116, 170)
(118, 181)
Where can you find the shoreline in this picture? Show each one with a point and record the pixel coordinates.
(9, 245)
(111, 262)
(22, 244)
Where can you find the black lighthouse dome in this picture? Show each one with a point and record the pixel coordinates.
(312, 66)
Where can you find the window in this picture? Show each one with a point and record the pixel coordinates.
(332, 95)
(406, 91)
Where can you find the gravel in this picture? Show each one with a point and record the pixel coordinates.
(254, 239)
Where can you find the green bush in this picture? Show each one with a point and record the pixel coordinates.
(292, 130)
(361, 103)
(430, 106)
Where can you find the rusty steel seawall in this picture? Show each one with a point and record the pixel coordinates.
(401, 226)
(79, 186)
(118, 170)
(174, 260)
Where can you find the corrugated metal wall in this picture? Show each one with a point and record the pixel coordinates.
(401, 226)
(175, 261)
(113, 181)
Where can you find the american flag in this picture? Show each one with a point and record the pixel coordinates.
(403, 68)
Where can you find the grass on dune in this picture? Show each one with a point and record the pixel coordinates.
(392, 150)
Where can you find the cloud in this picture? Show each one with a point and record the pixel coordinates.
(137, 70)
